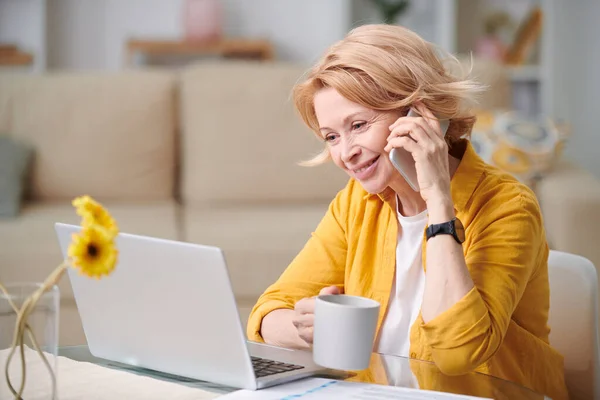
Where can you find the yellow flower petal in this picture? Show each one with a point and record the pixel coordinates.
(93, 251)
(93, 213)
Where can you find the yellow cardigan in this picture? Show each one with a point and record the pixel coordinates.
(498, 328)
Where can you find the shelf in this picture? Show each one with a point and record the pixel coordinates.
(13, 57)
(240, 48)
(525, 73)
(8, 48)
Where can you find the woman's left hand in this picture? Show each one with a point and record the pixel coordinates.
(423, 138)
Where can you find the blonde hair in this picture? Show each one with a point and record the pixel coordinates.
(386, 68)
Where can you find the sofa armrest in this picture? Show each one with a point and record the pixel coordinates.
(569, 197)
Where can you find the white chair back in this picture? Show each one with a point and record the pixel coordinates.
(573, 321)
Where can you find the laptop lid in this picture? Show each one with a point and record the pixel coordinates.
(167, 306)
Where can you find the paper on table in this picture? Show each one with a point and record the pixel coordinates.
(320, 388)
(82, 380)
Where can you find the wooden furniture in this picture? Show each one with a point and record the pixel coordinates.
(10, 55)
(228, 48)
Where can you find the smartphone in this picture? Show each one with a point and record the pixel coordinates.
(404, 161)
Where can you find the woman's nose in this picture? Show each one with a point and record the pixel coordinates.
(349, 150)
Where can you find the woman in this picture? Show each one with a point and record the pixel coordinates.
(460, 267)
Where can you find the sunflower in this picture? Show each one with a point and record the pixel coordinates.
(93, 213)
(93, 251)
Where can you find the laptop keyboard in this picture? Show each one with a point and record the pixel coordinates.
(264, 367)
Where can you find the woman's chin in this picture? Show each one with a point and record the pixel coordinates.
(373, 187)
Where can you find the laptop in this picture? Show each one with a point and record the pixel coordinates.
(168, 306)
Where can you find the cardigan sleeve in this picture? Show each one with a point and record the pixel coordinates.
(508, 245)
(321, 263)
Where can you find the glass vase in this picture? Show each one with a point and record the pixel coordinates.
(41, 337)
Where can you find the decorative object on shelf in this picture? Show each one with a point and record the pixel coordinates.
(522, 146)
(525, 38)
(390, 10)
(491, 46)
(93, 252)
(202, 20)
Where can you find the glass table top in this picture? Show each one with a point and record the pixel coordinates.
(383, 370)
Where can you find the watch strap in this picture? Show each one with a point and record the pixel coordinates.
(445, 228)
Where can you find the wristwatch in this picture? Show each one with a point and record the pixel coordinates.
(453, 227)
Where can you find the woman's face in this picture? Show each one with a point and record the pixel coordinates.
(356, 137)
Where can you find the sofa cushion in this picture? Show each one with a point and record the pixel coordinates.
(109, 135)
(569, 198)
(258, 242)
(525, 147)
(30, 249)
(242, 139)
(14, 163)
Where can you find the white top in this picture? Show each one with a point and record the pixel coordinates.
(407, 290)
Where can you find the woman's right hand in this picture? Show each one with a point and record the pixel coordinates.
(304, 314)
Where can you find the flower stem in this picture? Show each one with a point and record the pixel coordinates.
(23, 326)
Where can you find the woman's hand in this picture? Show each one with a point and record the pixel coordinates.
(304, 314)
(423, 138)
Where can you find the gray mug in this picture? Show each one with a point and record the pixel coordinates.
(344, 331)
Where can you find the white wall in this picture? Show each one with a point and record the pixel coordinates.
(431, 19)
(23, 22)
(138, 19)
(90, 34)
(575, 78)
(76, 36)
(301, 30)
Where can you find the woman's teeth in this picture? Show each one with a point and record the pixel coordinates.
(366, 166)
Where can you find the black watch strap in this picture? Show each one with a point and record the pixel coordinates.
(445, 228)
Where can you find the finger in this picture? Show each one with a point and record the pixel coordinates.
(404, 116)
(304, 320)
(330, 290)
(430, 119)
(403, 142)
(403, 120)
(430, 140)
(305, 306)
(415, 130)
(306, 334)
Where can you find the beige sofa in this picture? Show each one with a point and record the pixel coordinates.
(205, 155)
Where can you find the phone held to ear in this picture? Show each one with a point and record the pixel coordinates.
(404, 161)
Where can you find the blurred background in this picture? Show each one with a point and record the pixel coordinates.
(554, 72)
(176, 114)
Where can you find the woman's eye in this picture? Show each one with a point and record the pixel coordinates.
(330, 138)
(358, 125)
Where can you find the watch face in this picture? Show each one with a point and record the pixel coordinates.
(459, 229)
